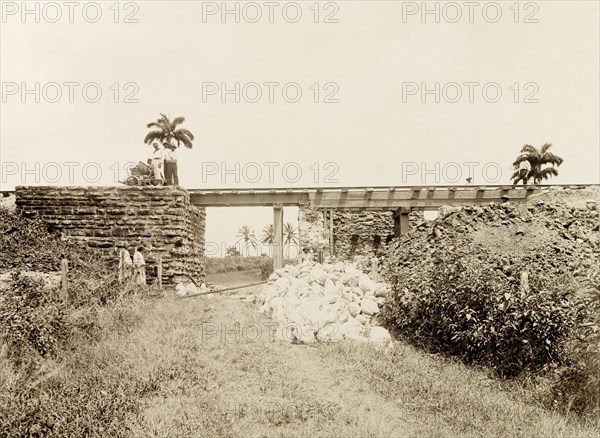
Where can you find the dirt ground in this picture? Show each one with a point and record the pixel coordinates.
(244, 384)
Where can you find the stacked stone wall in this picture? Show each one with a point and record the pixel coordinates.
(313, 233)
(354, 233)
(361, 233)
(161, 219)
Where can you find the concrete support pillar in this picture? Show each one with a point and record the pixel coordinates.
(401, 221)
(278, 236)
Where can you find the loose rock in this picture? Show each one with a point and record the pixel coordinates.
(334, 303)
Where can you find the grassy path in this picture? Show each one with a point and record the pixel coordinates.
(208, 377)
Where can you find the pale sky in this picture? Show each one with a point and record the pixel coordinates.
(374, 61)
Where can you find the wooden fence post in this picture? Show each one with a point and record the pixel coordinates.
(121, 266)
(159, 271)
(64, 269)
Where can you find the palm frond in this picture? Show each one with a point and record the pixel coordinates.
(268, 235)
(547, 173)
(520, 159)
(176, 121)
(158, 125)
(545, 148)
(186, 141)
(290, 233)
(183, 131)
(550, 158)
(153, 136)
(528, 149)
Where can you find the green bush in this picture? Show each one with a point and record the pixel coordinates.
(52, 383)
(30, 320)
(577, 385)
(83, 389)
(29, 245)
(94, 395)
(266, 268)
(216, 265)
(463, 305)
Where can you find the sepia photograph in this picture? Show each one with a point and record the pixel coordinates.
(311, 218)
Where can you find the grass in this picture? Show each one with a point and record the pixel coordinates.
(235, 278)
(85, 389)
(447, 398)
(215, 265)
(182, 367)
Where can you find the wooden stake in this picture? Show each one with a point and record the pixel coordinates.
(159, 272)
(121, 266)
(64, 269)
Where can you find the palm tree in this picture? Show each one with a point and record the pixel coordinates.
(248, 236)
(233, 251)
(268, 235)
(537, 159)
(289, 231)
(166, 131)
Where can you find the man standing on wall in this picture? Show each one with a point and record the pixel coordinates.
(171, 165)
(157, 163)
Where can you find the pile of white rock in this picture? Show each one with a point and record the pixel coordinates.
(189, 289)
(49, 281)
(325, 303)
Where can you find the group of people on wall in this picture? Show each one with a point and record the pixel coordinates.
(164, 164)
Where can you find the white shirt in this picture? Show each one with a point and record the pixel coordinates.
(138, 259)
(158, 155)
(126, 257)
(170, 155)
(525, 165)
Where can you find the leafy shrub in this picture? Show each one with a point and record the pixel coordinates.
(52, 384)
(94, 281)
(29, 319)
(28, 244)
(463, 305)
(577, 385)
(95, 395)
(83, 389)
(216, 265)
(266, 268)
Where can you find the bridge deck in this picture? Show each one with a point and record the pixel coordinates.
(362, 198)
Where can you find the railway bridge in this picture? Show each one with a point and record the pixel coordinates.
(63, 205)
(399, 200)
